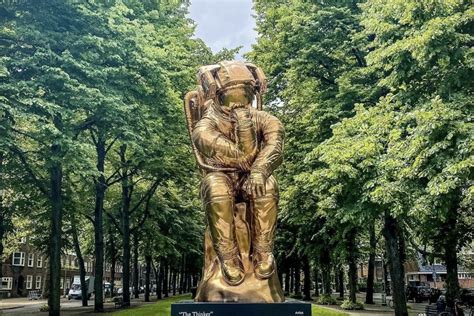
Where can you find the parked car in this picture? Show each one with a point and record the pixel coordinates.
(418, 291)
(75, 290)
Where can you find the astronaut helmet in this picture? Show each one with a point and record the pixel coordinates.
(232, 82)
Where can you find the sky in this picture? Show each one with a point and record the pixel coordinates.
(224, 23)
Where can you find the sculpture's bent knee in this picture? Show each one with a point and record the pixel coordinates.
(215, 186)
(271, 187)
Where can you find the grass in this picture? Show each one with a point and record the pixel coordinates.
(160, 308)
(163, 308)
(324, 311)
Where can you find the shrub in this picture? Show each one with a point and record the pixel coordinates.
(326, 300)
(348, 305)
(44, 308)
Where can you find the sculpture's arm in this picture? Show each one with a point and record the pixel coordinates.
(245, 132)
(271, 155)
(214, 145)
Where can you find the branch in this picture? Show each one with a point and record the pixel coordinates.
(89, 218)
(147, 206)
(110, 145)
(423, 251)
(140, 224)
(112, 218)
(121, 177)
(360, 60)
(82, 127)
(147, 196)
(94, 139)
(112, 175)
(30, 171)
(29, 136)
(322, 78)
(291, 251)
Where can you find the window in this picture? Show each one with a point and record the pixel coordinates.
(31, 259)
(18, 259)
(39, 261)
(23, 240)
(7, 283)
(29, 282)
(88, 266)
(38, 282)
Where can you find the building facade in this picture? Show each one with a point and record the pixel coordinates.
(26, 270)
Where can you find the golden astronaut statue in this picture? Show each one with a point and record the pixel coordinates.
(237, 148)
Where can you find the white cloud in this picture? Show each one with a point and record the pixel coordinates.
(224, 23)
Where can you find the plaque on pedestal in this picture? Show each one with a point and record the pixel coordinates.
(190, 308)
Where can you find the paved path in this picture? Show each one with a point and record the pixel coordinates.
(23, 306)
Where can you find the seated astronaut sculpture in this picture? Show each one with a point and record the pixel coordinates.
(237, 148)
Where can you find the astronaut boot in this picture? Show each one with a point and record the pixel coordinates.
(263, 264)
(221, 225)
(264, 223)
(231, 267)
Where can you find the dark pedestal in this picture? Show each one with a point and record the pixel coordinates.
(190, 308)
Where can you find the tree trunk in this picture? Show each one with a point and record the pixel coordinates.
(369, 296)
(80, 259)
(175, 274)
(147, 277)
(135, 265)
(113, 261)
(325, 261)
(292, 280)
(157, 279)
(3, 211)
(125, 212)
(341, 282)
(316, 281)
(385, 275)
(181, 281)
(100, 188)
(170, 278)
(450, 256)
(159, 289)
(307, 280)
(165, 279)
(113, 264)
(189, 283)
(56, 223)
(287, 279)
(393, 240)
(352, 261)
(298, 279)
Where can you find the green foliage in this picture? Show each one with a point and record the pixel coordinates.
(348, 305)
(376, 99)
(326, 300)
(90, 78)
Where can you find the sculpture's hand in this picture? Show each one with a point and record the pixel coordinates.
(241, 112)
(255, 185)
(246, 136)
